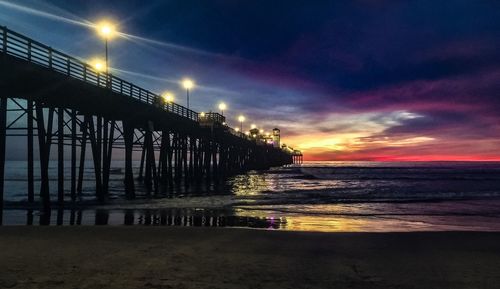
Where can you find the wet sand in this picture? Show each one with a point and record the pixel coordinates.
(159, 257)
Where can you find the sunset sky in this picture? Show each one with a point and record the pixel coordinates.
(343, 80)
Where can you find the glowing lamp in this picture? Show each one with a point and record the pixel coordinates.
(187, 83)
(106, 29)
(98, 64)
(168, 96)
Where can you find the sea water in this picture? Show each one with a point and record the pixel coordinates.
(316, 196)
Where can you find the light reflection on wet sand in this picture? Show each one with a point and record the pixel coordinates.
(343, 218)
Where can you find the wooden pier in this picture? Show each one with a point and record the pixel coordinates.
(69, 111)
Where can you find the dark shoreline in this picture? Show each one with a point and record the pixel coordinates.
(159, 257)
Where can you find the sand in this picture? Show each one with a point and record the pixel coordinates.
(159, 257)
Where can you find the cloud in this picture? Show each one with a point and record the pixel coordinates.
(380, 80)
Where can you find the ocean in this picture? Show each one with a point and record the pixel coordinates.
(315, 196)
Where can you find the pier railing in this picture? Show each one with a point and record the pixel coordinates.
(20, 46)
(213, 117)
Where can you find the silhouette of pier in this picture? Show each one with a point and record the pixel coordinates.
(297, 157)
(73, 112)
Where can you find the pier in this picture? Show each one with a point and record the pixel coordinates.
(297, 157)
(74, 112)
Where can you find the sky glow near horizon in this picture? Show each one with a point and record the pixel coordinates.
(348, 80)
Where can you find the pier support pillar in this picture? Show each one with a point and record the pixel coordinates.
(108, 150)
(147, 167)
(3, 134)
(169, 159)
(163, 167)
(185, 168)
(83, 147)
(215, 168)
(60, 156)
(73, 155)
(128, 135)
(96, 145)
(29, 122)
(206, 160)
(44, 150)
(141, 165)
(191, 158)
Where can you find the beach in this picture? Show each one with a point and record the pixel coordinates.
(180, 257)
(321, 225)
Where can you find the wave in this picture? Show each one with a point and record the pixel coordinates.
(401, 173)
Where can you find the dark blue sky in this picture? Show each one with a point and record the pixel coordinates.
(361, 79)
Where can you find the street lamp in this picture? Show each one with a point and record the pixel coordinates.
(187, 84)
(222, 107)
(241, 119)
(253, 126)
(107, 30)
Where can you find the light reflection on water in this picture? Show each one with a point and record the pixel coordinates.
(328, 197)
(162, 217)
(385, 217)
(259, 219)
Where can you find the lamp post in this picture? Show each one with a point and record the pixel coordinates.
(187, 84)
(241, 119)
(106, 30)
(222, 107)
